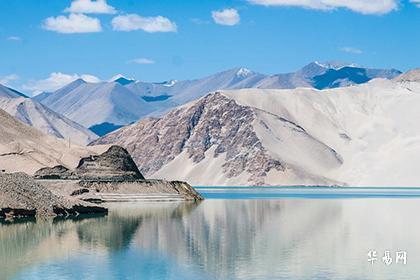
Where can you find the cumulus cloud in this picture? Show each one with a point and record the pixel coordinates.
(132, 22)
(226, 17)
(14, 38)
(5, 80)
(74, 23)
(142, 61)
(351, 50)
(90, 7)
(56, 80)
(377, 7)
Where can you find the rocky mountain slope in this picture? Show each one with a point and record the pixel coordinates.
(214, 141)
(39, 116)
(123, 101)
(26, 149)
(364, 135)
(409, 77)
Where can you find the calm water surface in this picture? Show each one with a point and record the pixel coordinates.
(235, 234)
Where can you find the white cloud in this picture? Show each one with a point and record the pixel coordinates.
(361, 6)
(351, 50)
(142, 61)
(55, 81)
(226, 17)
(90, 7)
(14, 38)
(132, 22)
(5, 80)
(415, 2)
(74, 23)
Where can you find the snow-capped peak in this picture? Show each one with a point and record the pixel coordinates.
(120, 77)
(336, 65)
(170, 83)
(320, 64)
(243, 72)
(116, 77)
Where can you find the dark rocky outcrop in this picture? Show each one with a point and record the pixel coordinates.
(114, 163)
(21, 196)
(111, 172)
(79, 192)
(56, 172)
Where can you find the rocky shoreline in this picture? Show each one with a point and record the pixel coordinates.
(59, 191)
(22, 196)
(92, 190)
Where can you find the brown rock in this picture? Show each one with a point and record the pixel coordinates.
(114, 163)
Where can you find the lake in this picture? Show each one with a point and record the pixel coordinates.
(245, 233)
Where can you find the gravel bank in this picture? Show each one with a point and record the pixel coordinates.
(20, 195)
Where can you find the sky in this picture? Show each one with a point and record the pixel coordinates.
(45, 44)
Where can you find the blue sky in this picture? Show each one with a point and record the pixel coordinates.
(43, 44)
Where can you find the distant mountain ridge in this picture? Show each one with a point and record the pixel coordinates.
(95, 103)
(124, 100)
(347, 76)
(39, 116)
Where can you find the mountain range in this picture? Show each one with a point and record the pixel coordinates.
(326, 124)
(41, 117)
(123, 101)
(96, 103)
(363, 135)
(35, 114)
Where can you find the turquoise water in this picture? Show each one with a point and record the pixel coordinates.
(247, 233)
(306, 192)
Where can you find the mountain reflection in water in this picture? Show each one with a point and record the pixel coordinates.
(218, 239)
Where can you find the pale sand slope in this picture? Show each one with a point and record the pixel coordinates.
(25, 149)
(373, 127)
